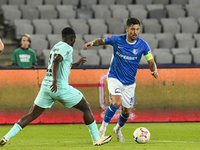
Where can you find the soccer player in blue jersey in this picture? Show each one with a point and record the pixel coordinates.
(55, 86)
(128, 50)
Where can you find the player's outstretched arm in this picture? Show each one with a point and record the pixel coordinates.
(95, 42)
(78, 63)
(153, 68)
(1, 46)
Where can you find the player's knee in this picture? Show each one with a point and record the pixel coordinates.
(117, 102)
(87, 104)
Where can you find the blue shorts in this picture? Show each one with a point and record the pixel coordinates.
(67, 95)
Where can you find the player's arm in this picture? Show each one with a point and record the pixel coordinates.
(152, 65)
(78, 63)
(1, 46)
(95, 42)
(55, 67)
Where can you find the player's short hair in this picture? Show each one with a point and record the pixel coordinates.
(132, 20)
(66, 32)
(26, 35)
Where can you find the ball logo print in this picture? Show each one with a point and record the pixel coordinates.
(141, 135)
(144, 133)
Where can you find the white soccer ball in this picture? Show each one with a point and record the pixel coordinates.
(141, 135)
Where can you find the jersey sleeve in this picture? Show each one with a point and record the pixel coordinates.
(147, 52)
(147, 49)
(110, 39)
(65, 51)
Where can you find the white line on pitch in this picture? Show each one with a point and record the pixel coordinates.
(166, 141)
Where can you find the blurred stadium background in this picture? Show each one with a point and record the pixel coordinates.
(174, 97)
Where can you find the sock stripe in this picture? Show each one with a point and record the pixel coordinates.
(125, 117)
(122, 119)
(110, 109)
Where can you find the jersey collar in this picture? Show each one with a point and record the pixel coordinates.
(131, 43)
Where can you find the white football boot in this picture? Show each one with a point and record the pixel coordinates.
(101, 133)
(102, 140)
(4, 140)
(118, 133)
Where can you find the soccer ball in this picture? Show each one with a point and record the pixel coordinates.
(141, 135)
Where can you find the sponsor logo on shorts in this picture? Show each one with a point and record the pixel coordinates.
(117, 90)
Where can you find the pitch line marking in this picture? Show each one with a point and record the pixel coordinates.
(168, 141)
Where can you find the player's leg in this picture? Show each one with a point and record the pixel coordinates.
(71, 97)
(84, 106)
(33, 113)
(128, 98)
(125, 112)
(88, 118)
(114, 87)
(42, 101)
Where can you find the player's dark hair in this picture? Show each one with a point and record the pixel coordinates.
(132, 20)
(67, 32)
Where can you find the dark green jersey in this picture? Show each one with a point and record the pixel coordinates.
(24, 58)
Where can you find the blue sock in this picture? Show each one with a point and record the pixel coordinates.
(14, 130)
(110, 111)
(93, 130)
(122, 119)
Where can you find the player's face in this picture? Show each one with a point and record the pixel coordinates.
(132, 32)
(25, 42)
(73, 41)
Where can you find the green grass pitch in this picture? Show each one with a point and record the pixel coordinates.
(165, 136)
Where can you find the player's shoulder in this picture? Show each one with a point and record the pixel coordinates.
(116, 37)
(63, 46)
(123, 36)
(140, 40)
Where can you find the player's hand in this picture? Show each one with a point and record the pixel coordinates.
(81, 61)
(85, 46)
(155, 74)
(54, 86)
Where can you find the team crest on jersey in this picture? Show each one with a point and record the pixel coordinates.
(135, 51)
